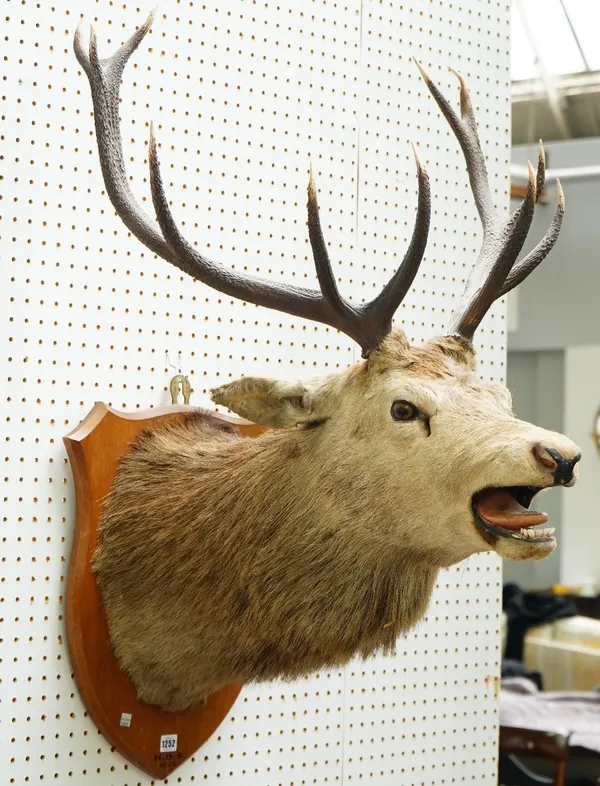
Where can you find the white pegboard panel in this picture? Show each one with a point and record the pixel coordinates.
(244, 94)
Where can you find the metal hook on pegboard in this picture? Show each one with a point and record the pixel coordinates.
(180, 382)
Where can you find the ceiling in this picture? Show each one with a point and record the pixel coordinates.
(555, 64)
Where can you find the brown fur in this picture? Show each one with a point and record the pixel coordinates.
(200, 595)
(222, 559)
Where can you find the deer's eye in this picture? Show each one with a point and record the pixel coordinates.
(404, 410)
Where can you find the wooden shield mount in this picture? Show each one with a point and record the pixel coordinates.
(155, 741)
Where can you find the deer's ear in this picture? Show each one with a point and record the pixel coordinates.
(270, 402)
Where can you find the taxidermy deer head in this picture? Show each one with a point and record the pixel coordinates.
(222, 559)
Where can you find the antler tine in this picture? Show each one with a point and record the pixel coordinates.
(541, 251)
(465, 130)
(325, 275)
(496, 258)
(367, 324)
(387, 302)
(379, 313)
(503, 238)
(541, 171)
(104, 77)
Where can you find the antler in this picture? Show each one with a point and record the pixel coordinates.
(367, 323)
(495, 272)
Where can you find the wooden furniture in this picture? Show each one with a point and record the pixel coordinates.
(156, 741)
(538, 745)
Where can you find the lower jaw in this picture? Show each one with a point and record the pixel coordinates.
(513, 545)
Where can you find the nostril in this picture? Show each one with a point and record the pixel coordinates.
(562, 468)
(566, 471)
(547, 457)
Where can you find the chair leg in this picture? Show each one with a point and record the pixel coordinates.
(559, 774)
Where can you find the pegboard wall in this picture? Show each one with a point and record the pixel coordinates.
(243, 94)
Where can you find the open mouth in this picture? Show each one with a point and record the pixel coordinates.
(504, 512)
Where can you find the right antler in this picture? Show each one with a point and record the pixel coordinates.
(495, 272)
(367, 323)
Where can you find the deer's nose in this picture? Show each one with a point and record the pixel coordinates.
(561, 466)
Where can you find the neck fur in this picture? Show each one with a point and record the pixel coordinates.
(250, 560)
(320, 560)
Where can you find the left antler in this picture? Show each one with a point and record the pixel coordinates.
(367, 323)
(495, 272)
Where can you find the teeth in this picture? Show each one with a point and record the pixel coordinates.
(531, 534)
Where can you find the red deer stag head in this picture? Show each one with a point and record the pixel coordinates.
(322, 538)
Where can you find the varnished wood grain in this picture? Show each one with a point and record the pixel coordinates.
(94, 449)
